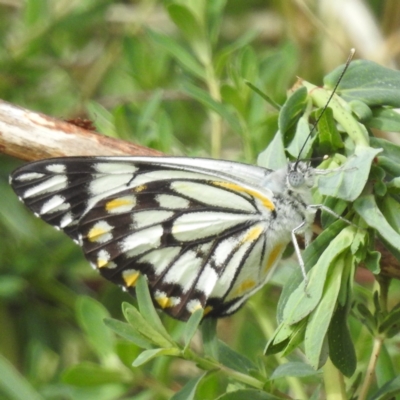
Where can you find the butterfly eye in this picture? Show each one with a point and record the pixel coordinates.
(295, 179)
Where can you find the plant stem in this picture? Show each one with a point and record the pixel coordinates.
(370, 374)
(208, 365)
(215, 119)
(295, 384)
(334, 383)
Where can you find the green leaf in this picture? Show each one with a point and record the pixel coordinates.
(144, 328)
(348, 182)
(391, 323)
(391, 210)
(252, 394)
(390, 149)
(336, 205)
(186, 21)
(128, 332)
(191, 326)
(147, 355)
(320, 318)
(301, 138)
(302, 301)
(372, 261)
(264, 96)
(148, 112)
(311, 256)
(291, 110)
(89, 374)
(363, 112)
(234, 360)
(231, 95)
(203, 97)
(102, 118)
(294, 368)
(385, 369)
(367, 208)
(146, 307)
(368, 82)
(91, 315)
(192, 29)
(369, 319)
(328, 136)
(180, 53)
(388, 390)
(188, 392)
(273, 157)
(391, 166)
(222, 57)
(13, 384)
(384, 119)
(286, 338)
(341, 347)
(210, 339)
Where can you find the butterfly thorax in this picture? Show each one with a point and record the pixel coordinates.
(291, 186)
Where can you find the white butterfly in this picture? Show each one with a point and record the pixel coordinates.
(205, 233)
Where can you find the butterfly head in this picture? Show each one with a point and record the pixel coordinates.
(300, 176)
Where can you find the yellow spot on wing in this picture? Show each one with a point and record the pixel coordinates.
(95, 233)
(101, 262)
(164, 301)
(234, 186)
(140, 188)
(131, 277)
(207, 310)
(273, 256)
(253, 234)
(120, 202)
(244, 287)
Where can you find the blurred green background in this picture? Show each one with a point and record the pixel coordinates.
(139, 73)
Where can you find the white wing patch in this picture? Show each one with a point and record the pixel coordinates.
(53, 184)
(141, 241)
(211, 195)
(54, 204)
(197, 225)
(172, 202)
(141, 219)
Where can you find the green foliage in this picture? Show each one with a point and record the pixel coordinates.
(187, 87)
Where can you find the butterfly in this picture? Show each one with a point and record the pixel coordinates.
(205, 233)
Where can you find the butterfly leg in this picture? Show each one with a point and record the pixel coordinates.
(298, 252)
(329, 211)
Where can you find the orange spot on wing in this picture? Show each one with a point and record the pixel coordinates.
(119, 202)
(131, 277)
(235, 187)
(253, 234)
(273, 256)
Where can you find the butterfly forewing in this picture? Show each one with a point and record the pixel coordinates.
(198, 233)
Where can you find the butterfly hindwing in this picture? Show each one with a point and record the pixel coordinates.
(189, 237)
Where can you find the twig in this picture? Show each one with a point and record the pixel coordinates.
(30, 136)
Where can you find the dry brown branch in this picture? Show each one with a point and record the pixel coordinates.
(30, 136)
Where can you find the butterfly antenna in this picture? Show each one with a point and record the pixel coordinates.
(313, 128)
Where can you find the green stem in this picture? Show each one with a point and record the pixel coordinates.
(370, 374)
(334, 382)
(296, 386)
(215, 119)
(207, 365)
(378, 341)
